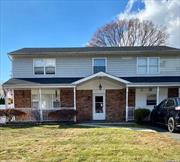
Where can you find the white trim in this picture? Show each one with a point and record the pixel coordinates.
(74, 102)
(127, 92)
(101, 74)
(157, 96)
(38, 75)
(105, 58)
(154, 85)
(39, 86)
(95, 115)
(40, 105)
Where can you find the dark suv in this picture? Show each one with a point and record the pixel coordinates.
(167, 112)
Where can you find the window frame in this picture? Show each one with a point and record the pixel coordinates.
(94, 58)
(44, 67)
(147, 66)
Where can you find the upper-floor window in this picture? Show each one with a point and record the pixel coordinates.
(44, 66)
(99, 64)
(148, 65)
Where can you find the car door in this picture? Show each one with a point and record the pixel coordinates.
(169, 107)
(161, 111)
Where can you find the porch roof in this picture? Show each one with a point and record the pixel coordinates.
(60, 82)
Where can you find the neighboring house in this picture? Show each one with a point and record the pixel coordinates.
(101, 83)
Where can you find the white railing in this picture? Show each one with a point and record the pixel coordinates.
(131, 113)
(34, 114)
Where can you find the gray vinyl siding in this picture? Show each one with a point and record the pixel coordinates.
(22, 68)
(82, 66)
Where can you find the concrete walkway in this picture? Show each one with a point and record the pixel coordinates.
(103, 125)
(129, 126)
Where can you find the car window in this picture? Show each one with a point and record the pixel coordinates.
(162, 104)
(170, 103)
(178, 101)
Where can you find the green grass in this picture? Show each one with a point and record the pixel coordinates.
(56, 143)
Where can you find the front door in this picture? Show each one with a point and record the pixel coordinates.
(99, 106)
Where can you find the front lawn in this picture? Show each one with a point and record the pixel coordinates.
(56, 143)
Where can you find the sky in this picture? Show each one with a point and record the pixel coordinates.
(72, 23)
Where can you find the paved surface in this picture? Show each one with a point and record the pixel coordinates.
(159, 129)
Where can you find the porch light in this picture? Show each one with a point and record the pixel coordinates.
(100, 86)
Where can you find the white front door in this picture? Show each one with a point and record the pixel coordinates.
(98, 106)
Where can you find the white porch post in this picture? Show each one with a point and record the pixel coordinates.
(40, 105)
(74, 102)
(157, 96)
(5, 97)
(127, 91)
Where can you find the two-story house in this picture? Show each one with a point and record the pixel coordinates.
(101, 83)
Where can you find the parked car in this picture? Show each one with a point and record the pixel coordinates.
(168, 113)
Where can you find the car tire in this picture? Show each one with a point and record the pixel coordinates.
(171, 125)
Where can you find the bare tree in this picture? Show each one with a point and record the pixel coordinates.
(131, 32)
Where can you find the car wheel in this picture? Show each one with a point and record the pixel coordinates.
(171, 125)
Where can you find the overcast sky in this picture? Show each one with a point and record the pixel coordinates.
(71, 23)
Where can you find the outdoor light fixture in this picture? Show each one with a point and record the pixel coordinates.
(100, 86)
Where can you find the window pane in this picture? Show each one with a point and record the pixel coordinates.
(142, 69)
(50, 62)
(38, 63)
(153, 61)
(151, 99)
(38, 70)
(50, 70)
(99, 62)
(153, 69)
(99, 68)
(142, 61)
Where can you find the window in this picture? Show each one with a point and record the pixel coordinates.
(153, 65)
(148, 65)
(99, 64)
(142, 65)
(50, 98)
(151, 99)
(170, 103)
(44, 66)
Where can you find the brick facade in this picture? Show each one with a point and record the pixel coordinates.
(115, 105)
(22, 98)
(84, 105)
(173, 92)
(67, 97)
(131, 97)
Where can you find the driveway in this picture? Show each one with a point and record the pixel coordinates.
(160, 129)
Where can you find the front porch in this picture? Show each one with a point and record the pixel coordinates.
(38, 103)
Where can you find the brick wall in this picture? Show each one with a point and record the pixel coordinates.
(131, 97)
(115, 105)
(173, 92)
(22, 98)
(84, 105)
(67, 97)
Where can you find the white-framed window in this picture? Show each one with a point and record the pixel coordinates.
(50, 98)
(45, 66)
(151, 99)
(148, 65)
(99, 64)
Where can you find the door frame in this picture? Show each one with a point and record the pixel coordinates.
(99, 93)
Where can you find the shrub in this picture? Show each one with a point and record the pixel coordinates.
(63, 114)
(2, 101)
(141, 114)
(9, 113)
